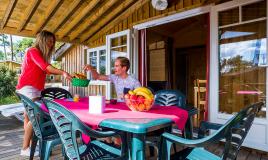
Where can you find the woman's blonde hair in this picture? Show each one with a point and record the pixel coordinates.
(41, 44)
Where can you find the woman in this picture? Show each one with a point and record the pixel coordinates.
(31, 82)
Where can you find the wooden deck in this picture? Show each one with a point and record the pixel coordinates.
(11, 134)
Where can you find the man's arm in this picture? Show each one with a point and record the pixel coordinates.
(95, 74)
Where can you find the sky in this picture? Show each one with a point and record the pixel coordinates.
(14, 38)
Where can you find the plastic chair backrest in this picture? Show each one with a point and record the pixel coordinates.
(68, 126)
(55, 93)
(235, 130)
(35, 114)
(170, 98)
(239, 128)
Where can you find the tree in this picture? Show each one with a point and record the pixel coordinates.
(4, 42)
(2, 55)
(56, 64)
(21, 46)
(11, 48)
(234, 64)
(58, 45)
(8, 81)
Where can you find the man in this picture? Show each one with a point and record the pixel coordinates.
(121, 79)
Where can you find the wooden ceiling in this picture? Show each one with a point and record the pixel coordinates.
(72, 21)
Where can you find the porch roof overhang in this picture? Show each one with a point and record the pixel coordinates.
(71, 21)
(74, 21)
(61, 51)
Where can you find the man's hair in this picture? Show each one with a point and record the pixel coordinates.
(124, 62)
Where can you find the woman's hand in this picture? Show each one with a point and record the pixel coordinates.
(88, 67)
(67, 76)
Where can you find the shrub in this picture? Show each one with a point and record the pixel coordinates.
(8, 82)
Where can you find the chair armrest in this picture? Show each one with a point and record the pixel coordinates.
(186, 142)
(96, 134)
(191, 110)
(206, 126)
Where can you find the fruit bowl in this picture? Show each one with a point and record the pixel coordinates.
(80, 82)
(140, 104)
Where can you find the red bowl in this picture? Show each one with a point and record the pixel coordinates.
(140, 104)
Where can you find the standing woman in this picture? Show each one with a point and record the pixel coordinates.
(31, 82)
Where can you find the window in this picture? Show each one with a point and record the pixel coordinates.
(118, 45)
(242, 55)
(97, 58)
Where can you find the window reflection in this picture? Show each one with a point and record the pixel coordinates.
(102, 62)
(118, 49)
(242, 53)
(93, 59)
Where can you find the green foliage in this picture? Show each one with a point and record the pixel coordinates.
(21, 46)
(9, 100)
(8, 81)
(58, 45)
(4, 40)
(2, 56)
(56, 64)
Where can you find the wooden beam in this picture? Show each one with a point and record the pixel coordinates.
(103, 22)
(28, 15)
(115, 21)
(79, 17)
(67, 14)
(13, 31)
(8, 12)
(50, 12)
(93, 18)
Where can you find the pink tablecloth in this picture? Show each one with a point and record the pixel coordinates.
(120, 110)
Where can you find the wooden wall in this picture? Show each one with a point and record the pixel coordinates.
(10, 65)
(141, 13)
(73, 61)
(157, 61)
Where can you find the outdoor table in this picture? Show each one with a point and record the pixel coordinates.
(137, 124)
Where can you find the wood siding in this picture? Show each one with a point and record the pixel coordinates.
(11, 65)
(74, 61)
(143, 12)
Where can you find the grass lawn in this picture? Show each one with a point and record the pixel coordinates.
(9, 100)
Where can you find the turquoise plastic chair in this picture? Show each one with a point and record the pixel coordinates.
(70, 129)
(55, 93)
(44, 130)
(173, 98)
(176, 98)
(233, 132)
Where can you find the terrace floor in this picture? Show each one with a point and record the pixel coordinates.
(11, 134)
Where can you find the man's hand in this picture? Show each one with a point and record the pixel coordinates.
(88, 67)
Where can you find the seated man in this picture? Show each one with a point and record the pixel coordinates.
(121, 79)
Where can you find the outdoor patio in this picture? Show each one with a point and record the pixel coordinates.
(11, 133)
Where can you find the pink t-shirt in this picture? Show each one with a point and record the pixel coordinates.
(33, 70)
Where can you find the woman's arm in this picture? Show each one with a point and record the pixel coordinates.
(56, 71)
